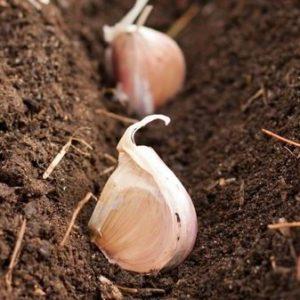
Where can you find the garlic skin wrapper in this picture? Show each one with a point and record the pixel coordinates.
(145, 220)
(148, 65)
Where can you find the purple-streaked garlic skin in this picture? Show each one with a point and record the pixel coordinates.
(148, 66)
(144, 221)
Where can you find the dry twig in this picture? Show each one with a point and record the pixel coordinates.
(282, 225)
(111, 291)
(77, 210)
(184, 20)
(80, 151)
(291, 152)
(60, 155)
(110, 158)
(261, 92)
(117, 117)
(148, 291)
(37, 3)
(15, 255)
(107, 170)
(280, 138)
(57, 159)
(82, 142)
(113, 160)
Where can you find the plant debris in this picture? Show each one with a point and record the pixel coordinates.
(37, 3)
(15, 255)
(57, 159)
(184, 20)
(109, 290)
(117, 117)
(280, 138)
(284, 225)
(77, 210)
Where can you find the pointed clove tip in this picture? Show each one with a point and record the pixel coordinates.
(164, 118)
(167, 120)
(154, 117)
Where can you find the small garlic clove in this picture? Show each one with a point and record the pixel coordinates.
(149, 68)
(144, 220)
(148, 65)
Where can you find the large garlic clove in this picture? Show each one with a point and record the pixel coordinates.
(148, 65)
(144, 220)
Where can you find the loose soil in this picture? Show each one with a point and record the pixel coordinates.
(52, 82)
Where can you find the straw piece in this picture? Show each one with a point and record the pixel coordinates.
(77, 210)
(117, 117)
(280, 138)
(184, 20)
(15, 255)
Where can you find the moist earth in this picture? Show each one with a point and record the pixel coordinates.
(243, 60)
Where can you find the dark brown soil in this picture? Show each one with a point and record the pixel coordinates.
(51, 81)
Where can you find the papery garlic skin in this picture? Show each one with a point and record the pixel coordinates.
(144, 220)
(148, 65)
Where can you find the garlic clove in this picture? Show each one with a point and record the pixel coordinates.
(148, 65)
(144, 220)
(149, 68)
